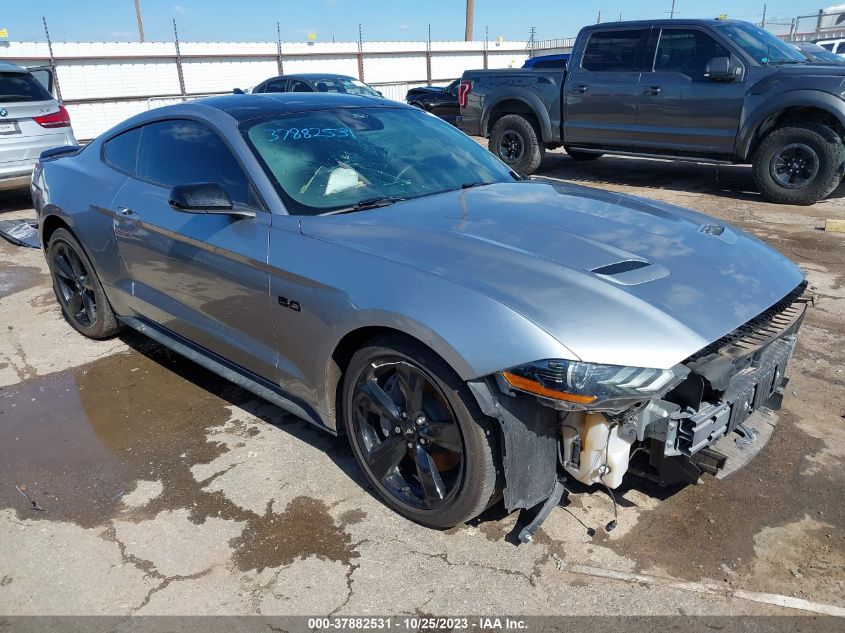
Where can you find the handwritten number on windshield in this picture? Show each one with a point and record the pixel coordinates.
(307, 133)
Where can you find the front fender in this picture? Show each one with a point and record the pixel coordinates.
(762, 107)
(531, 100)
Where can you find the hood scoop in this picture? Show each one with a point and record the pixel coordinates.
(631, 272)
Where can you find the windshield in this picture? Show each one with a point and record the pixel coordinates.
(819, 54)
(16, 86)
(761, 45)
(343, 85)
(351, 158)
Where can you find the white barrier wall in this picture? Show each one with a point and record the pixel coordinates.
(103, 83)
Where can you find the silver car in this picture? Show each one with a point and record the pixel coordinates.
(373, 270)
(31, 121)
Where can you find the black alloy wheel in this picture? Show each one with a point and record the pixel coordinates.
(794, 165)
(418, 434)
(78, 289)
(408, 433)
(511, 147)
(74, 286)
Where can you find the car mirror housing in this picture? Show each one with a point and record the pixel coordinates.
(205, 197)
(721, 69)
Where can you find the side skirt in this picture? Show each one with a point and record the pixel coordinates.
(243, 378)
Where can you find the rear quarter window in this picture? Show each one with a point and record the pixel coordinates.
(121, 151)
(18, 87)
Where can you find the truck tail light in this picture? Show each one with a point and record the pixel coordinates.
(54, 119)
(463, 93)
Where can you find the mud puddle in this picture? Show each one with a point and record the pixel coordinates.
(77, 440)
(15, 278)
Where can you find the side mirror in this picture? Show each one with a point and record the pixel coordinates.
(721, 69)
(205, 197)
(237, 91)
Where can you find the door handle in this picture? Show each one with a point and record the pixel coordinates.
(126, 212)
(580, 89)
(653, 91)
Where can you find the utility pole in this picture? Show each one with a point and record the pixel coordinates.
(470, 15)
(598, 19)
(140, 22)
(672, 12)
(763, 21)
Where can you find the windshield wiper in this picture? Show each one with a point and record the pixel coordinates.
(372, 203)
(470, 185)
(369, 203)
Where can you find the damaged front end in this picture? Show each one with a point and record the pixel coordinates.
(595, 423)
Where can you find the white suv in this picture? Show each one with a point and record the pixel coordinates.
(31, 121)
(834, 46)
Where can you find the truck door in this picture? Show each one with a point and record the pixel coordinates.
(682, 110)
(602, 88)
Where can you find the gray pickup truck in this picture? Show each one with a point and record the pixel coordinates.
(718, 91)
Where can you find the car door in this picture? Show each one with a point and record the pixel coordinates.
(602, 88)
(201, 276)
(682, 110)
(445, 103)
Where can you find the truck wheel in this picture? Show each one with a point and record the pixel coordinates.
(514, 140)
(418, 434)
(799, 163)
(574, 154)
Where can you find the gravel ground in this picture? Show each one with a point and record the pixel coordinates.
(165, 490)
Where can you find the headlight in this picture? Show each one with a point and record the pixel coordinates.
(589, 386)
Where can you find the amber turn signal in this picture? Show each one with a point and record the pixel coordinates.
(532, 386)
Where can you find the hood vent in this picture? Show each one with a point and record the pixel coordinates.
(620, 267)
(631, 272)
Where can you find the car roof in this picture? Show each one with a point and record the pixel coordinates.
(6, 67)
(663, 22)
(251, 106)
(313, 76)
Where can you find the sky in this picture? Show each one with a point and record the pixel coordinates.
(255, 20)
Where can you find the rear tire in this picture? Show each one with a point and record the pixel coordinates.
(78, 289)
(442, 428)
(800, 163)
(516, 142)
(578, 155)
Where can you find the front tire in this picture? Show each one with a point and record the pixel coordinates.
(418, 434)
(516, 142)
(799, 163)
(78, 289)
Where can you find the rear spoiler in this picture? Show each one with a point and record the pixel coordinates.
(54, 152)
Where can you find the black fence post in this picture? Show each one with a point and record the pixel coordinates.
(178, 60)
(279, 63)
(52, 60)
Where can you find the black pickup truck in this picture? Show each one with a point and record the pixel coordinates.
(720, 91)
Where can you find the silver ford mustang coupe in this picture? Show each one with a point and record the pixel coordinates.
(369, 268)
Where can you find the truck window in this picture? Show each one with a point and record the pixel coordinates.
(614, 51)
(686, 51)
(828, 46)
(840, 48)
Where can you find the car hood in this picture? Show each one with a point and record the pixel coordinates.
(615, 278)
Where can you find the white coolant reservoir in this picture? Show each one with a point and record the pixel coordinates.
(604, 449)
